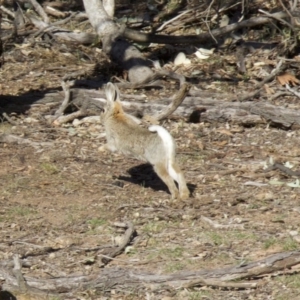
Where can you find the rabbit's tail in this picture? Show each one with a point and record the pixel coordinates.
(169, 146)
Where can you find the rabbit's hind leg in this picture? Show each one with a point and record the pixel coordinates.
(177, 175)
(164, 175)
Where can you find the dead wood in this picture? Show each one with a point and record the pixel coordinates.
(176, 101)
(40, 10)
(20, 289)
(137, 36)
(12, 139)
(206, 37)
(70, 117)
(66, 101)
(258, 87)
(208, 107)
(126, 239)
(292, 91)
(284, 169)
(121, 277)
(7, 118)
(120, 50)
(246, 113)
(64, 34)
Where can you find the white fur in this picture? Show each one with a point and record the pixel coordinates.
(169, 146)
(123, 129)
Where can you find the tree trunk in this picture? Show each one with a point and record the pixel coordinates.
(117, 48)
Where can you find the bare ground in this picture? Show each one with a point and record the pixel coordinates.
(66, 194)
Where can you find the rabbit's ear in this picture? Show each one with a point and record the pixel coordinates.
(112, 93)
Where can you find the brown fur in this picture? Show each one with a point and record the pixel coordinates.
(123, 134)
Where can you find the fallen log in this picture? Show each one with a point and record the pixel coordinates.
(209, 107)
(126, 278)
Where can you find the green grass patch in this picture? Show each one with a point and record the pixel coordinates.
(49, 168)
(94, 223)
(289, 244)
(21, 211)
(268, 243)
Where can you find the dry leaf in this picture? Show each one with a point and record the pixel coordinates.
(202, 53)
(287, 78)
(181, 59)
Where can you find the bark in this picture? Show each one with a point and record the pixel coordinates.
(120, 51)
(206, 37)
(116, 277)
(208, 107)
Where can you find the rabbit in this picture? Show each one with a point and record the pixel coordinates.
(155, 144)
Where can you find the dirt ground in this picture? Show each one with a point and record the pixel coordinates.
(65, 193)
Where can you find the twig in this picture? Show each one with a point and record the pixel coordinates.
(287, 11)
(9, 119)
(177, 99)
(60, 22)
(279, 94)
(68, 118)
(294, 5)
(206, 22)
(203, 37)
(284, 169)
(54, 12)
(172, 20)
(257, 88)
(292, 91)
(40, 10)
(7, 11)
(109, 258)
(277, 18)
(125, 241)
(65, 103)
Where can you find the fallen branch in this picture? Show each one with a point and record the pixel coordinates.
(209, 107)
(257, 88)
(125, 240)
(20, 288)
(177, 99)
(12, 139)
(277, 18)
(66, 101)
(284, 169)
(292, 91)
(68, 118)
(9, 119)
(203, 37)
(116, 277)
(40, 10)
